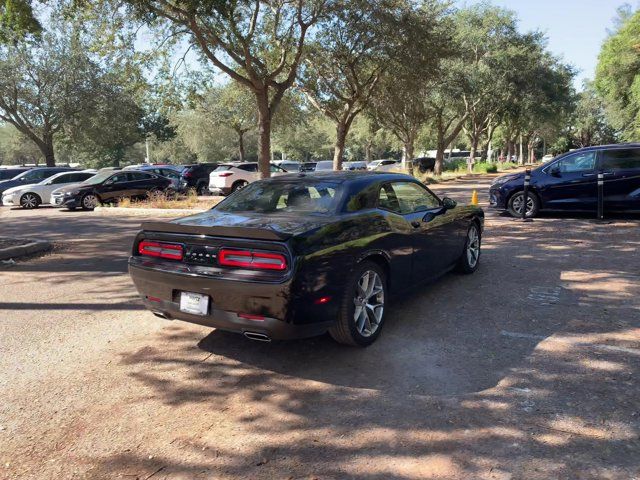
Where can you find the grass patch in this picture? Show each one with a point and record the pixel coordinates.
(161, 201)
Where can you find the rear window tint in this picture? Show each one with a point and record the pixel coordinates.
(621, 159)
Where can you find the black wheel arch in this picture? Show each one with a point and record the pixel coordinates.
(31, 193)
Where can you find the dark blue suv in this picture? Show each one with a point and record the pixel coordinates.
(570, 183)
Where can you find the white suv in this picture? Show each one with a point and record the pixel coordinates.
(229, 177)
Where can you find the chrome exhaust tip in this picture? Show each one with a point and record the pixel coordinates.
(258, 337)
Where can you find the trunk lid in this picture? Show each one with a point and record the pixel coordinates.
(248, 225)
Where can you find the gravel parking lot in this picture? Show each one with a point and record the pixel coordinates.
(526, 370)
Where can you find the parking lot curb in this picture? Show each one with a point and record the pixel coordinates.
(152, 212)
(34, 246)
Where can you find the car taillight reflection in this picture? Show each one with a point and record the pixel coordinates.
(170, 251)
(249, 259)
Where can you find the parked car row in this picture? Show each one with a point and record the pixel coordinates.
(72, 188)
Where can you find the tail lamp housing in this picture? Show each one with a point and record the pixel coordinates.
(169, 251)
(253, 260)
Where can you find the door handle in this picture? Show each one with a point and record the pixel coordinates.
(589, 174)
(415, 224)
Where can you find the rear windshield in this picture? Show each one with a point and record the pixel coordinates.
(222, 168)
(284, 197)
(9, 173)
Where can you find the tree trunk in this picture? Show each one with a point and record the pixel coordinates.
(474, 149)
(367, 152)
(521, 154)
(241, 144)
(46, 147)
(437, 170)
(341, 139)
(264, 134)
(407, 150)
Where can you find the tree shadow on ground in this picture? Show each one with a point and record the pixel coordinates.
(524, 370)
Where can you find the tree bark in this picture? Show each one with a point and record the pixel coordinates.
(341, 139)
(443, 142)
(367, 152)
(46, 147)
(474, 148)
(264, 134)
(408, 151)
(241, 144)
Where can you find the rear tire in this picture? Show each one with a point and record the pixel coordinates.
(361, 316)
(239, 185)
(30, 200)
(202, 189)
(514, 207)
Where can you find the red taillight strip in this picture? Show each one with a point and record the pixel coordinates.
(248, 259)
(170, 251)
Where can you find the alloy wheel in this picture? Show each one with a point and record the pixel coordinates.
(473, 247)
(29, 200)
(89, 201)
(518, 202)
(369, 303)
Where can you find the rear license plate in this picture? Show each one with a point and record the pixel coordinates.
(194, 303)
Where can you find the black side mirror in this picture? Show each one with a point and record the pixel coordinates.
(449, 203)
(555, 171)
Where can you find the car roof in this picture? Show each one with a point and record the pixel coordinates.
(607, 147)
(344, 176)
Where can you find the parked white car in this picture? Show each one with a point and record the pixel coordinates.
(383, 165)
(229, 177)
(354, 166)
(34, 195)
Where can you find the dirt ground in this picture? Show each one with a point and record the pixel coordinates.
(526, 370)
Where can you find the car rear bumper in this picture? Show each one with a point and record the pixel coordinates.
(219, 190)
(239, 307)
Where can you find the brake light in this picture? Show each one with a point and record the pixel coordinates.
(248, 259)
(187, 174)
(224, 174)
(170, 251)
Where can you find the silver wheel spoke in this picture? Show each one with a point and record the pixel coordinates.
(369, 303)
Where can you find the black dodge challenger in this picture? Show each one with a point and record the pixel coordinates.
(299, 255)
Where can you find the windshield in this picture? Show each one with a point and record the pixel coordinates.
(30, 175)
(284, 197)
(99, 178)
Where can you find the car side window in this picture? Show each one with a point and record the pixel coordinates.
(275, 168)
(413, 198)
(119, 178)
(387, 199)
(621, 159)
(580, 162)
(63, 179)
(137, 176)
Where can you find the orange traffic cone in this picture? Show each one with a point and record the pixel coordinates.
(474, 198)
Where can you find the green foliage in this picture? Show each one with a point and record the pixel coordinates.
(618, 77)
(17, 21)
(590, 125)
